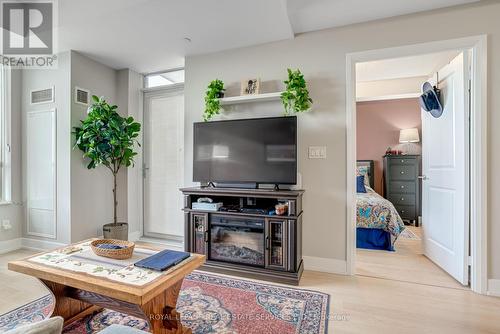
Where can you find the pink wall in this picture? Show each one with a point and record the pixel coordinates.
(378, 125)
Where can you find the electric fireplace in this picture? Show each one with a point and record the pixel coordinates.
(237, 240)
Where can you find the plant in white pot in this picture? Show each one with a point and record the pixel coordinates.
(108, 139)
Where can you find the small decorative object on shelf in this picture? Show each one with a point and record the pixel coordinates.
(296, 98)
(390, 151)
(215, 91)
(250, 86)
(281, 209)
(115, 249)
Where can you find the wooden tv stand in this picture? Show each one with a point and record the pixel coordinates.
(252, 244)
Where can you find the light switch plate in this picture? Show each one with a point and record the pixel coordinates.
(317, 152)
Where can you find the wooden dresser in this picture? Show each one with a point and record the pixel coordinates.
(402, 186)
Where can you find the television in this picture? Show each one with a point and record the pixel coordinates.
(258, 151)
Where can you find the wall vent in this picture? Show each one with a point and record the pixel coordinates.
(82, 96)
(42, 96)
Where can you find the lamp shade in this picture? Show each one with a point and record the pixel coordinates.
(409, 136)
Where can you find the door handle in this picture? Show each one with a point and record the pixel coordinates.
(422, 177)
(268, 242)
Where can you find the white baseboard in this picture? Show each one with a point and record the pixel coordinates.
(493, 287)
(40, 245)
(325, 265)
(134, 236)
(10, 245)
(167, 243)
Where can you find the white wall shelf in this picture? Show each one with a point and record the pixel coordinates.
(250, 98)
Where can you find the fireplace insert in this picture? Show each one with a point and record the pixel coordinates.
(237, 240)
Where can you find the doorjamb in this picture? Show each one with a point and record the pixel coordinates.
(478, 145)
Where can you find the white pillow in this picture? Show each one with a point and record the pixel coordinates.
(48, 326)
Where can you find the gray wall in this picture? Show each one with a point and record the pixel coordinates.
(321, 57)
(130, 100)
(84, 197)
(91, 190)
(60, 79)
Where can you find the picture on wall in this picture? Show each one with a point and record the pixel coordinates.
(250, 86)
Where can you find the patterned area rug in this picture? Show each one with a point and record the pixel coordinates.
(215, 304)
(35, 311)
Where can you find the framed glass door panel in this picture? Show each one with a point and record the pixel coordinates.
(276, 244)
(200, 231)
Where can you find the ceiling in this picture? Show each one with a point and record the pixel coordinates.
(150, 35)
(406, 67)
(321, 14)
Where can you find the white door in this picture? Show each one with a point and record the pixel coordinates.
(163, 164)
(445, 202)
(41, 173)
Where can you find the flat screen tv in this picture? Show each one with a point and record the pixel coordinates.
(262, 150)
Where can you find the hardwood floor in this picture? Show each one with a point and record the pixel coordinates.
(359, 304)
(407, 264)
(17, 289)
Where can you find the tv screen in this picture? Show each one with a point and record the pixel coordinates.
(260, 150)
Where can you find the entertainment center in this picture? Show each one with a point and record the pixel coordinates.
(247, 242)
(244, 230)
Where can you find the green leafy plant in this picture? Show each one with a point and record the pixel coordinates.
(215, 90)
(107, 139)
(296, 96)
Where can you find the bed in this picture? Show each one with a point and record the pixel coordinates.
(378, 224)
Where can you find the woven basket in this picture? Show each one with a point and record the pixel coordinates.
(118, 254)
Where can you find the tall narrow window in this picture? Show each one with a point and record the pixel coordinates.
(5, 131)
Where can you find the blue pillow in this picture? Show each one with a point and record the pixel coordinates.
(360, 184)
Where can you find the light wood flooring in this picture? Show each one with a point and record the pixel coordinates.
(407, 264)
(359, 304)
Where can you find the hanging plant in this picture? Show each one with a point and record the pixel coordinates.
(215, 91)
(295, 98)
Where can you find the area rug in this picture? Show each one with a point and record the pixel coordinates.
(35, 311)
(409, 234)
(215, 304)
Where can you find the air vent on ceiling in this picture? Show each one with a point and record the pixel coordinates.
(42, 96)
(82, 96)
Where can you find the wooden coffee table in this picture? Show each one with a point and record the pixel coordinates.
(78, 294)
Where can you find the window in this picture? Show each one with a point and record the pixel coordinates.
(5, 128)
(164, 78)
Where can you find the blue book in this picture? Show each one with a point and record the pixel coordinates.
(163, 260)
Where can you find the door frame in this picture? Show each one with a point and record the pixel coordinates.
(172, 240)
(478, 145)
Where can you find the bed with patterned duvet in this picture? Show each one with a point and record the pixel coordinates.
(378, 223)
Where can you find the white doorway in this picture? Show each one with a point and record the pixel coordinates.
(163, 169)
(477, 163)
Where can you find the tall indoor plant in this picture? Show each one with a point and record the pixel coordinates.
(296, 98)
(108, 139)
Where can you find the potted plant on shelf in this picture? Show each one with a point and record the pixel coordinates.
(296, 98)
(108, 139)
(215, 91)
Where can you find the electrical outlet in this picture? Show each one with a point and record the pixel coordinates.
(317, 152)
(6, 225)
